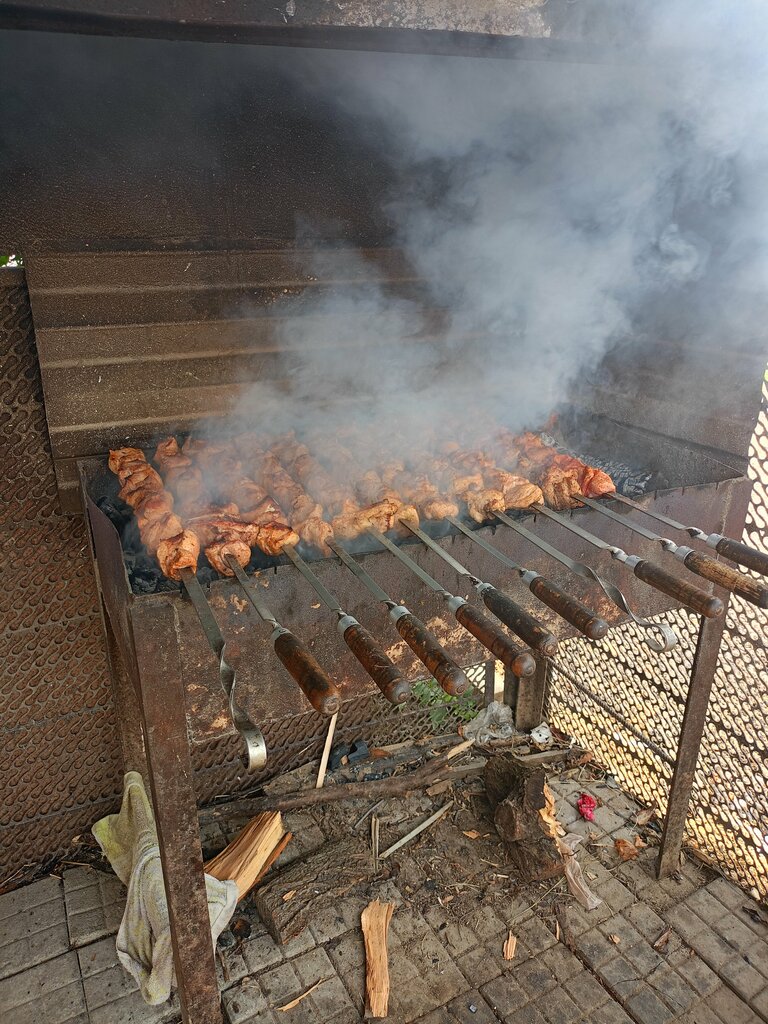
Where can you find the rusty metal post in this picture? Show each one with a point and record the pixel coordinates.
(173, 798)
(691, 731)
(528, 696)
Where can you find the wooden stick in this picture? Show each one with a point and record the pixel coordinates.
(375, 924)
(417, 831)
(326, 752)
(375, 789)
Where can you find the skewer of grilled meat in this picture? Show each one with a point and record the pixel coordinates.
(374, 494)
(349, 519)
(161, 529)
(252, 519)
(304, 513)
(562, 478)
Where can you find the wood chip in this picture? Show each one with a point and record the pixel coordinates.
(289, 895)
(662, 940)
(625, 849)
(472, 834)
(640, 843)
(510, 947)
(298, 999)
(615, 939)
(375, 924)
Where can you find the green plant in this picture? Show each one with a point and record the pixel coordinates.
(429, 694)
(11, 260)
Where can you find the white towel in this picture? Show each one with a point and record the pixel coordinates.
(129, 841)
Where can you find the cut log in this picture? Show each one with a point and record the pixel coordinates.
(523, 816)
(249, 855)
(375, 924)
(290, 898)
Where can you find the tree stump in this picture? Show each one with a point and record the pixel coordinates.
(519, 802)
(289, 899)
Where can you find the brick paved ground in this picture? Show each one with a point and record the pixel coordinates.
(58, 963)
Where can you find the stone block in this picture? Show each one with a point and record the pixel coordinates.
(675, 992)
(280, 984)
(457, 937)
(595, 949)
(480, 966)
(731, 1008)
(561, 962)
(646, 1007)
(336, 920)
(559, 1008)
(534, 978)
(742, 977)
(623, 929)
(261, 952)
(586, 991)
(646, 921)
(49, 992)
(504, 996)
(621, 977)
(535, 935)
(471, 1008)
(246, 1003)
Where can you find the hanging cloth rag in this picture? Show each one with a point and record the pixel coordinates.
(129, 842)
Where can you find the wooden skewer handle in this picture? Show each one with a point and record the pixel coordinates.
(725, 576)
(529, 629)
(514, 656)
(445, 670)
(749, 557)
(376, 663)
(570, 608)
(321, 693)
(692, 597)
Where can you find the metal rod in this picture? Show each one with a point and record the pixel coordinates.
(472, 619)
(524, 625)
(255, 744)
(667, 636)
(361, 643)
(703, 565)
(319, 690)
(426, 648)
(733, 550)
(655, 576)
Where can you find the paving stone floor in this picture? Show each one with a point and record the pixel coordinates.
(58, 962)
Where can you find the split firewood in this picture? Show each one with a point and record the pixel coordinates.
(510, 947)
(250, 854)
(375, 924)
(290, 898)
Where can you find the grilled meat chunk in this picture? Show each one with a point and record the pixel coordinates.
(218, 553)
(178, 552)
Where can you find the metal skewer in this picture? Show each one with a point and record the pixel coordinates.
(528, 628)
(571, 609)
(692, 597)
(668, 636)
(445, 670)
(701, 564)
(319, 690)
(519, 661)
(734, 550)
(374, 660)
(255, 744)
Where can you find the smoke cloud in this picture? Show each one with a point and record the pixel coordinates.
(554, 212)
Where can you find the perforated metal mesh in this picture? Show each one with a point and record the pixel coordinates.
(626, 704)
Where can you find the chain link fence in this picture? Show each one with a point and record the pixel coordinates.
(626, 704)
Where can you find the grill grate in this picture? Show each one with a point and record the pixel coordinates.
(633, 720)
